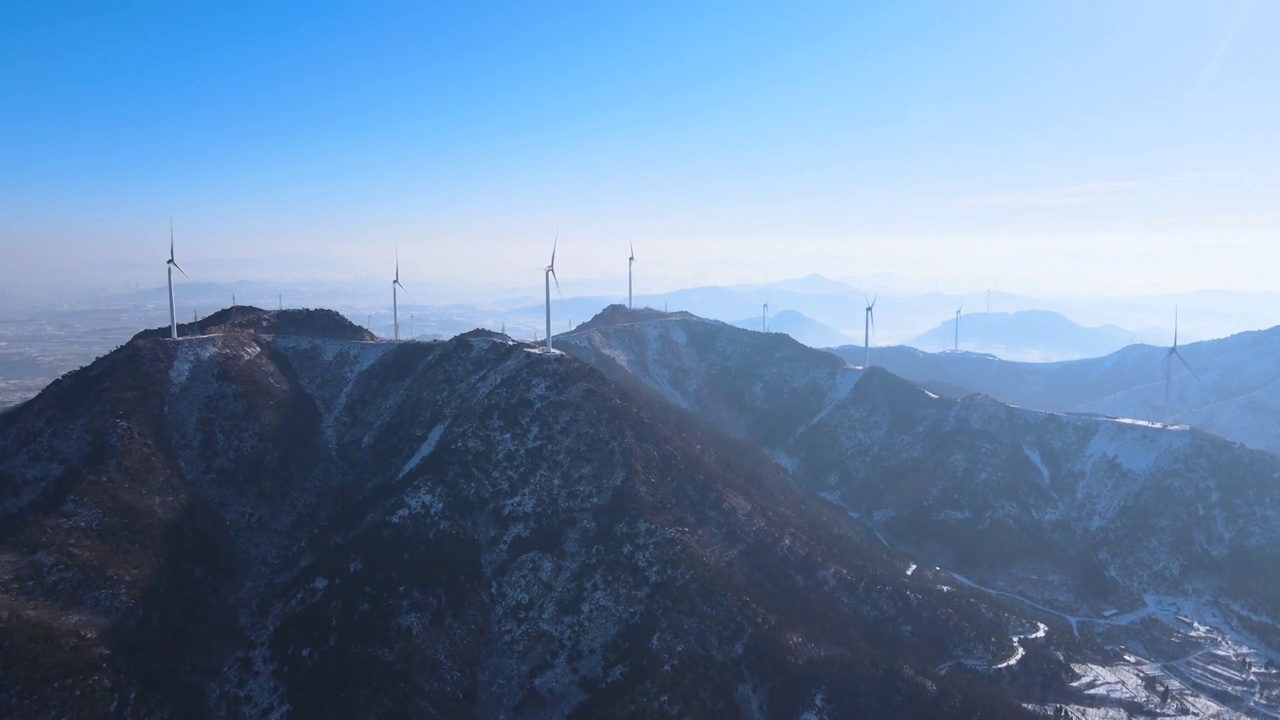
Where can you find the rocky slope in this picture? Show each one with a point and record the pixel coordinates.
(277, 518)
(1081, 517)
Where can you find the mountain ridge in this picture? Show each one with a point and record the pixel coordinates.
(435, 529)
(1074, 515)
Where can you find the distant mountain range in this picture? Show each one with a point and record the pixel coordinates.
(1237, 394)
(804, 329)
(1028, 335)
(37, 345)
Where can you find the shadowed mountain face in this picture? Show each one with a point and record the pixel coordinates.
(1082, 516)
(250, 523)
(1236, 394)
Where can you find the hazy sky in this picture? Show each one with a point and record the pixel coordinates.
(1063, 147)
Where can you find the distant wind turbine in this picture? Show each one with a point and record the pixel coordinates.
(280, 300)
(868, 322)
(395, 301)
(957, 347)
(630, 261)
(233, 299)
(764, 318)
(549, 274)
(1168, 366)
(169, 266)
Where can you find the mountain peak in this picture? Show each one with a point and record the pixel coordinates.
(246, 319)
(619, 314)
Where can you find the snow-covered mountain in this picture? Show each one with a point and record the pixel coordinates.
(1236, 394)
(1028, 335)
(1084, 518)
(276, 517)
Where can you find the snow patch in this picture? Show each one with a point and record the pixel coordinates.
(427, 447)
(1033, 454)
(189, 353)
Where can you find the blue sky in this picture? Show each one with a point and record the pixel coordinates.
(1062, 147)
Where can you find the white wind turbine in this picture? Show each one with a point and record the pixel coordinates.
(395, 301)
(630, 261)
(1168, 366)
(548, 274)
(170, 264)
(957, 347)
(764, 318)
(869, 321)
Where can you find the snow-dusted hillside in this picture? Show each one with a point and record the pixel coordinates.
(1077, 517)
(308, 524)
(1236, 396)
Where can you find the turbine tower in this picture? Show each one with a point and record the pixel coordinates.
(764, 318)
(170, 264)
(1168, 366)
(957, 347)
(548, 274)
(630, 261)
(868, 322)
(395, 301)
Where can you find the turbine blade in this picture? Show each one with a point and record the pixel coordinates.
(171, 238)
(1186, 365)
(406, 292)
(554, 245)
(184, 272)
(557, 281)
(873, 301)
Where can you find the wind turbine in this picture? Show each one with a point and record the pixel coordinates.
(630, 261)
(869, 321)
(957, 347)
(548, 274)
(764, 318)
(395, 302)
(1168, 366)
(170, 264)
